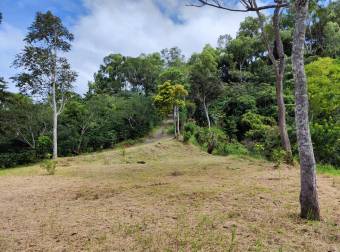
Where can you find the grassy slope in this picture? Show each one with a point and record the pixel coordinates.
(181, 199)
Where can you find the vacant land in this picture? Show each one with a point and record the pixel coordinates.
(163, 196)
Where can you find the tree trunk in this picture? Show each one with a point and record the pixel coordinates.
(279, 68)
(175, 122)
(308, 194)
(55, 122)
(285, 142)
(178, 131)
(206, 113)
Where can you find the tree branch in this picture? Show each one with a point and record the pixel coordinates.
(248, 5)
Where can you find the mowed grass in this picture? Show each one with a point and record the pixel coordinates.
(163, 196)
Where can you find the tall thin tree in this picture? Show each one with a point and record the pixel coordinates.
(46, 73)
(308, 195)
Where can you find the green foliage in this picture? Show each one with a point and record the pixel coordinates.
(10, 159)
(328, 169)
(44, 146)
(168, 96)
(324, 87)
(49, 166)
(232, 148)
(189, 131)
(326, 142)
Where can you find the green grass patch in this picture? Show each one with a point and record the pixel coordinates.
(328, 169)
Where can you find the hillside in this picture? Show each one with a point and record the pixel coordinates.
(163, 196)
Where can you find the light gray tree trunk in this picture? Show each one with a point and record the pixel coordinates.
(178, 130)
(175, 121)
(55, 122)
(308, 195)
(206, 112)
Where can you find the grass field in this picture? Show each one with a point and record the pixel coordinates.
(163, 196)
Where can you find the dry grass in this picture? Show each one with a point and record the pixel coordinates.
(163, 196)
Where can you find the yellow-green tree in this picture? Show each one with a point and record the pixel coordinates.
(170, 98)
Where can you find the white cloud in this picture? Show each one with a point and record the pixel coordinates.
(135, 26)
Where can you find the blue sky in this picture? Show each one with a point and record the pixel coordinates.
(100, 27)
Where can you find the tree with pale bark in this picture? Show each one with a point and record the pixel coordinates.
(170, 98)
(45, 73)
(205, 85)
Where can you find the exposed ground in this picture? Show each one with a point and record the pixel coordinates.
(180, 199)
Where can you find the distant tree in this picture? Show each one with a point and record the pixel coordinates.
(170, 97)
(110, 79)
(45, 72)
(25, 120)
(205, 85)
(223, 41)
(173, 57)
(174, 75)
(142, 72)
(332, 39)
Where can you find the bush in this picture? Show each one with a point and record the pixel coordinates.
(233, 148)
(49, 166)
(210, 138)
(189, 131)
(326, 142)
(11, 159)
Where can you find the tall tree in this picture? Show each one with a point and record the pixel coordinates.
(205, 85)
(45, 72)
(308, 195)
(173, 57)
(170, 97)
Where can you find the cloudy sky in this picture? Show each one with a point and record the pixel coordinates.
(100, 27)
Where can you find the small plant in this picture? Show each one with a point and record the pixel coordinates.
(278, 157)
(49, 166)
(233, 239)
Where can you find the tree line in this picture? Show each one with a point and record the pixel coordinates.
(247, 95)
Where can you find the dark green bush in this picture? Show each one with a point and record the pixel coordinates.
(11, 159)
(326, 142)
(189, 130)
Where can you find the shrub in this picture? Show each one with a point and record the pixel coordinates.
(233, 148)
(326, 142)
(189, 131)
(11, 159)
(210, 138)
(49, 166)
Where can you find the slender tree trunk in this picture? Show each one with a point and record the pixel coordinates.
(308, 195)
(206, 113)
(178, 130)
(285, 142)
(279, 68)
(54, 107)
(55, 122)
(175, 122)
(279, 87)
